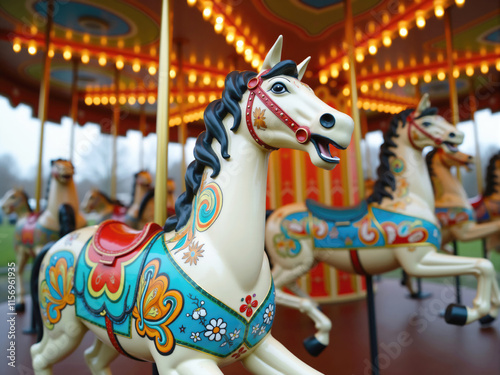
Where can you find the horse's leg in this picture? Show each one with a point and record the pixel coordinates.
(314, 344)
(99, 356)
(195, 366)
(425, 262)
(272, 358)
(22, 255)
(57, 343)
(283, 277)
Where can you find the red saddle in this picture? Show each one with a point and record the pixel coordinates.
(115, 239)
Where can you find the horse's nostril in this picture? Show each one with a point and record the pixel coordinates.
(327, 120)
(452, 135)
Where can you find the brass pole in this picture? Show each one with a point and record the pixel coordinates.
(43, 100)
(142, 129)
(349, 32)
(116, 124)
(473, 109)
(74, 108)
(451, 78)
(451, 64)
(162, 116)
(183, 125)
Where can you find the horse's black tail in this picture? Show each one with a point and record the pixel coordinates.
(67, 220)
(36, 316)
(268, 213)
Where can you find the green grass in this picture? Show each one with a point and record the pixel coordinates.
(7, 253)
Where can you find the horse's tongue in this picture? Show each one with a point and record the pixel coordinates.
(325, 150)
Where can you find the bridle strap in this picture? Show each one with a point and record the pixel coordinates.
(411, 122)
(302, 133)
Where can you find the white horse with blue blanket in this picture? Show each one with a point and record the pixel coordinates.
(198, 294)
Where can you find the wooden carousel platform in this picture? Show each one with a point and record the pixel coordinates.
(413, 339)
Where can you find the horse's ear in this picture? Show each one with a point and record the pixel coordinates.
(302, 67)
(423, 105)
(274, 55)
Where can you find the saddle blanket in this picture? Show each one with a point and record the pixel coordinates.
(377, 228)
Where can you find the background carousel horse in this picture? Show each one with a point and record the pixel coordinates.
(60, 216)
(142, 185)
(453, 209)
(395, 227)
(197, 295)
(487, 206)
(147, 206)
(16, 201)
(106, 208)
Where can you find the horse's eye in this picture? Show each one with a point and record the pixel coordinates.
(279, 88)
(426, 123)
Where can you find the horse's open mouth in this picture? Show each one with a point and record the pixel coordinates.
(322, 145)
(451, 147)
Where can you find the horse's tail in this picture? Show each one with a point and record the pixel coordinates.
(36, 316)
(67, 220)
(268, 213)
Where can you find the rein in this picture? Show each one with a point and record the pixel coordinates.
(411, 121)
(302, 133)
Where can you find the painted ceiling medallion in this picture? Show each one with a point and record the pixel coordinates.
(312, 18)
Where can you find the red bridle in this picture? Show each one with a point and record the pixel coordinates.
(411, 122)
(302, 133)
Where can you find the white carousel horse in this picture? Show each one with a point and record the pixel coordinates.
(453, 209)
(16, 201)
(142, 185)
(395, 227)
(487, 206)
(198, 295)
(97, 201)
(60, 217)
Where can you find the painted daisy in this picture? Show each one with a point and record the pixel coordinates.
(234, 335)
(215, 329)
(269, 314)
(195, 336)
(255, 328)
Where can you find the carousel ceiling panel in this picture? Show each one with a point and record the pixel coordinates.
(128, 31)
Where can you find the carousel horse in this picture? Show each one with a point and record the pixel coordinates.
(142, 185)
(146, 208)
(16, 201)
(60, 216)
(487, 206)
(453, 209)
(107, 208)
(395, 227)
(197, 294)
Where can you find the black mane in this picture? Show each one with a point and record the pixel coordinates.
(491, 180)
(145, 200)
(428, 160)
(205, 156)
(386, 182)
(135, 183)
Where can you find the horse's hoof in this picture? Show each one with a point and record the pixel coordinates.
(20, 307)
(420, 295)
(313, 346)
(456, 314)
(30, 331)
(487, 319)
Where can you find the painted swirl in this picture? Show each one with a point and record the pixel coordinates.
(208, 206)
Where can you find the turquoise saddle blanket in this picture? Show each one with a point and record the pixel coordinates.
(362, 226)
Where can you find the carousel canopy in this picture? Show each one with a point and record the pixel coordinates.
(113, 46)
